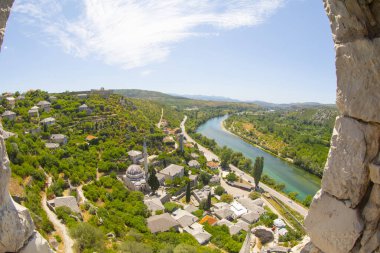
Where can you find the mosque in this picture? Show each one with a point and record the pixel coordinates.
(136, 177)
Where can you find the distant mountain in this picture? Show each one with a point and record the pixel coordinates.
(257, 102)
(210, 98)
(145, 94)
(290, 105)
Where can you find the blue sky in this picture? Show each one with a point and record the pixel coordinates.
(273, 50)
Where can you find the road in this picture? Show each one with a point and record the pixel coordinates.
(211, 156)
(59, 227)
(294, 205)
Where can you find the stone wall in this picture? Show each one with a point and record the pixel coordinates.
(344, 216)
(17, 232)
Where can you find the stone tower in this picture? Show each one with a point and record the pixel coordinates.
(145, 154)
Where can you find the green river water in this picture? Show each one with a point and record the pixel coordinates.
(294, 178)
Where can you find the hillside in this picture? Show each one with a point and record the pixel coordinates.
(301, 135)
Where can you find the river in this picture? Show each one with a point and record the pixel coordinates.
(294, 178)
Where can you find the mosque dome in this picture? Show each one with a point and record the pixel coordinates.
(135, 172)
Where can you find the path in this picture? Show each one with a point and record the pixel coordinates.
(162, 115)
(211, 156)
(59, 227)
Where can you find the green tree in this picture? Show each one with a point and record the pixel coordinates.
(88, 238)
(307, 201)
(231, 177)
(254, 195)
(258, 170)
(226, 198)
(208, 203)
(219, 190)
(188, 193)
(153, 181)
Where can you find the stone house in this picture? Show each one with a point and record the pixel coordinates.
(69, 201)
(135, 156)
(161, 223)
(58, 138)
(44, 106)
(33, 112)
(48, 121)
(9, 115)
(173, 171)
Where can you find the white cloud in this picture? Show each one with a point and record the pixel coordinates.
(135, 33)
(146, 72)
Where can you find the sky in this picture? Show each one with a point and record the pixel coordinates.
(277, 51)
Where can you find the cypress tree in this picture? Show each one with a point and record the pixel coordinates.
(208, 203)
(153, 181)
(188, 193)
(258, 170)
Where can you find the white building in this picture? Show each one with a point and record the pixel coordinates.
(238, 209)
(85, 108)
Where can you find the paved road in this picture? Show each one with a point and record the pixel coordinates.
(294, 205)
(210, 156)
(59, 227)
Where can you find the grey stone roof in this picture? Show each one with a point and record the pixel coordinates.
(8, 113)
(184, 218)
(134, 153)
(50, 119)
(193, 163)
(43, 103)
(57, 136)
(251, 217)
(172, 170)
(224, 213)
(154, 204)
(161, 223)
(68, 201)
(191, 208)
(250, 205)
(83, 106)
(224, 222)
(51, 145)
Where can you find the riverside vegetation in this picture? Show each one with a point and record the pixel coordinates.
(300, 135)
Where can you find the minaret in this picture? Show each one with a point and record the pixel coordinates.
(145, 158)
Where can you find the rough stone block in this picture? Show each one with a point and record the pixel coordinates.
(353, 146)
(37, 244)
(332, 226)
(371, 214)
(374, 173)
(358, 76)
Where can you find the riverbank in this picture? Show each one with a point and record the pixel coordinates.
(285, 159)
(222, 124)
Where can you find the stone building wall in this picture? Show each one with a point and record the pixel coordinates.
(344, 216)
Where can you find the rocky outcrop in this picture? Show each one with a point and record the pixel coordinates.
(17, 232)
(5, 9)
(332, 225)
(344, 216)
(263, 233)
